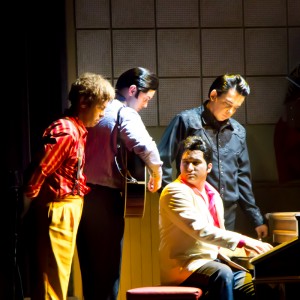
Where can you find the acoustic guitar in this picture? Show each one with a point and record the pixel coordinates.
(135, 186)
(133, 171)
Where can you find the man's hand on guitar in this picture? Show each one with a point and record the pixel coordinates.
(155, 181)
(153, 184)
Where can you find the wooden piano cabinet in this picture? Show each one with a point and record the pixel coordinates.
(277, 288)
(277, 272)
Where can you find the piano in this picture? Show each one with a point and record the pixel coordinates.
(277, 272)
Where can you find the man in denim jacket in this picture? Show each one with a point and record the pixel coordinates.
(231, 174)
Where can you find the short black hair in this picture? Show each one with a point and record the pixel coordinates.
(141, 77)
(197, 143)
(227, 81)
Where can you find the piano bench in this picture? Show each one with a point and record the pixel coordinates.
(164, 293)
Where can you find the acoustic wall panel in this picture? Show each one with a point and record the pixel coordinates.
(177, 13)
(92, 13)
(225, 13)
(265, 103)
(178, 52)
(266, 51)
(94, 52)
(293, 12)
(294, 47)
(222, 51)
(177, 94)
(132, 14)
(265, 13)
(133, 48)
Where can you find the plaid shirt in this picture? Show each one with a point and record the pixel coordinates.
(56, 170)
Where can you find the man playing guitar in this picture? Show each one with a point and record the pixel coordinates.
(101, 230)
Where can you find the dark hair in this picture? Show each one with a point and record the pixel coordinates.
(225, 82)
(197, 143)
(141, 77)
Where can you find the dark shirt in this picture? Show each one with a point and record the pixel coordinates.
(231, 173)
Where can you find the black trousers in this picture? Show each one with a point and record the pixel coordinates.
(99, 243)
(230, 209)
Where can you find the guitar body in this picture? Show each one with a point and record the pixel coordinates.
(133, 172)
(135, 191)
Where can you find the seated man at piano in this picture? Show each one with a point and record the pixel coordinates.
(193, 239)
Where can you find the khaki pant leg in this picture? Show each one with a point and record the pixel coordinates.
(64, 218)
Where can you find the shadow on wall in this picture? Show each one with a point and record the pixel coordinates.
(287, 132)
(271, 197)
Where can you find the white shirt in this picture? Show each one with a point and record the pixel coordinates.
(188, 237)
(101, 146)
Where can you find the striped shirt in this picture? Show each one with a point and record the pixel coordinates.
(56, 170)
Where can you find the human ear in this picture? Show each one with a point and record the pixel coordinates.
(132, 90)
(213, 95)
(83, 105)
(209, 167)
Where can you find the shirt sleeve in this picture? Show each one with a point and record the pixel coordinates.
(136, 138)
(57, 144)
(169, 147)
(179, 205)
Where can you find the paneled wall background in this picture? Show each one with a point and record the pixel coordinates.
(187, 43)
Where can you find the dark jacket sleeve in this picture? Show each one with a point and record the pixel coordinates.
(246, 196)
(169, 147)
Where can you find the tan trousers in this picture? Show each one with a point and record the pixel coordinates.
(56, 241)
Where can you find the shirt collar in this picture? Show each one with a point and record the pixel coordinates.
(79, 124)
(209, 119)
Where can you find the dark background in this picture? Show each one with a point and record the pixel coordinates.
(34, 91)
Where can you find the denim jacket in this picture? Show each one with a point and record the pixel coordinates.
(231, 173)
